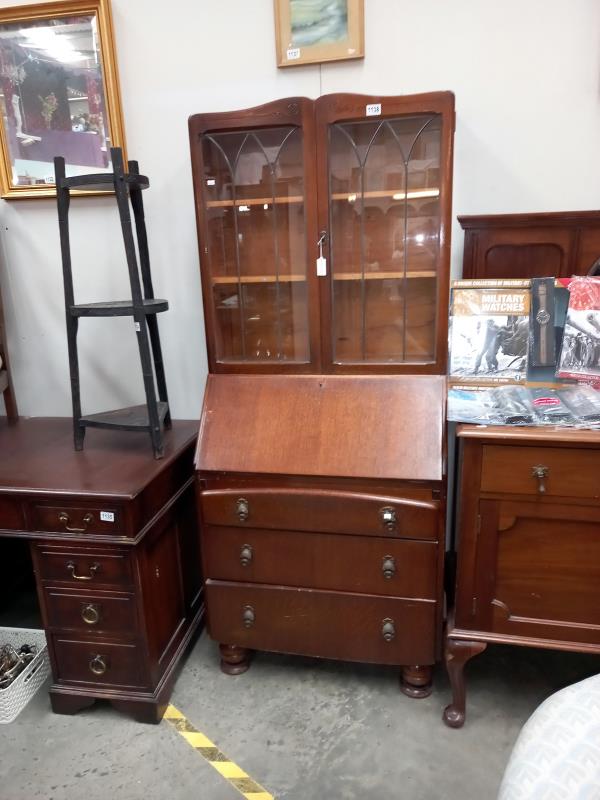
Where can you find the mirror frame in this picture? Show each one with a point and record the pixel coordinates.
(112, 94)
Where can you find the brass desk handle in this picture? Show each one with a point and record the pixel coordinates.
(388, 567)
(246, 555)
(90, 613)
(93, 570)
(98, 665)
(540, 471)
(388, 629)
(248, 616)
(242, 509)
(64, 518)
(388, 517)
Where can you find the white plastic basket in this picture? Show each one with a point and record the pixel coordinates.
(15, 697)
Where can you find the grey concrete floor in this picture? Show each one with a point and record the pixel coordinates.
(305, 729)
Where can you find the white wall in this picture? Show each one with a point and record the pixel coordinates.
(526, 76)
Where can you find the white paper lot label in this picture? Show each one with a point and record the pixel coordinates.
(107, 516)
(374, 110)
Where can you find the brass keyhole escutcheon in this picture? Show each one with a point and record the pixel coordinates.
(540, 471)
(388, 567)
(90, 613)
(248, 616)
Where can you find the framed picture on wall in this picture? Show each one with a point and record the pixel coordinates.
(314, 31)
(59, 94)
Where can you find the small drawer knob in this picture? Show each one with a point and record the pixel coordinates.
(246, 555)
(98, 665)
(248, 616)
(388, 567)
(388, 629)
(242, 509)
(65, 521)
(90, 613)
(540, 471)
(388, 516)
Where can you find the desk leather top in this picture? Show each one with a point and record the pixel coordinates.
(37, 456)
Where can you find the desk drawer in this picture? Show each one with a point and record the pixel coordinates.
(564, 472)
(80, 567)
(97, 612)
(97, 662)
(371, 564)
(321, 510)
(77, 518)
(352, 627)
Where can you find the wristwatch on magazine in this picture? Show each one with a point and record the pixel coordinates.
(542, 313)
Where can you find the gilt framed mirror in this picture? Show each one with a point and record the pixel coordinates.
(59, 94)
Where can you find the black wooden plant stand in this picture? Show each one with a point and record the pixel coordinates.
(143, 306)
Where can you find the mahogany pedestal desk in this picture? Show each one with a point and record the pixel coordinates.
(529, 545)
(115, 549)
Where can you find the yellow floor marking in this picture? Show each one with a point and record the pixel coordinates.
(233, 774)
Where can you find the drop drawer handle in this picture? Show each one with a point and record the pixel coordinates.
(90, 613)
(64, 519)
(248, 616)
(388, 517)
(388, 629)
(246, 555)
(388, 567)
(242, 509)
(98, 665)
(540, 471)
(93, 570)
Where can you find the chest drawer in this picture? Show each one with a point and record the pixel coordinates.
(373, 564)
(352, 627)
(98, 612)
(320, 510)
(77, 518)
(97, 662)
(80, 567)
(559, 471)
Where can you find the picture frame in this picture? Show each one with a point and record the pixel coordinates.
(59, 94)
(317, 31)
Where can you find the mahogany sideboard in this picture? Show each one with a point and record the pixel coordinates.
(114, 542)
(528, 545)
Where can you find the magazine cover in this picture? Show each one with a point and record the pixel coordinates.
(580, 354)
(549, 302)
(489, 331)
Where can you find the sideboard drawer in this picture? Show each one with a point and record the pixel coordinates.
(354, 627)
(87, 567)
(77, 518)
(559, 471)
(371, 564)
(97, 662)
(321, 510)
(97, 612)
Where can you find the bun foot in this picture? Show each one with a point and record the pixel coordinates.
(234, 660)
(453, 717)
(415, 681)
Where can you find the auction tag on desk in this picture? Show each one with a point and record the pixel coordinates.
(107, 516)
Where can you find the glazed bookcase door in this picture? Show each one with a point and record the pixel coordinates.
(385, 186)
(254, 179)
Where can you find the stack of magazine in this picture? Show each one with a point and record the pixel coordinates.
(525, 352)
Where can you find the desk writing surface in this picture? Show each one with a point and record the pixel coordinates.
(37, 456)
(386, 426)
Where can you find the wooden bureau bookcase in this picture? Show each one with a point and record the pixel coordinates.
(324, 246)
(529, 545)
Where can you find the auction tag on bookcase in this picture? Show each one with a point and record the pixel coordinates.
(293, 54)
(107, 516)
(137, 326)
(374, 110)
(321, 266)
